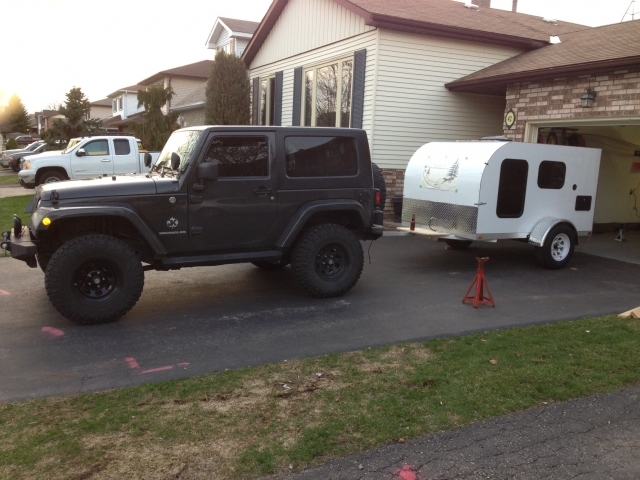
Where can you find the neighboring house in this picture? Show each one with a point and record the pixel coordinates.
(101, 109)
(44, 120)
(544, 92)
(383, 66)
(191, 108)
(124, 105)
(231, 35)
(184, 81)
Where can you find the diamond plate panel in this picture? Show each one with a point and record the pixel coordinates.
(441, 217)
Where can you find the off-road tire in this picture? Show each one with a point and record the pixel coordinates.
(379, 183)
(43, 261)
(458, 244)
(558, 247)
(94, 279)
(327, 260)
(49, 176)
(270, 265)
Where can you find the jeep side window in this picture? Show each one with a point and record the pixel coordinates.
(321, 156)
(121, 147)
(240, 156)
(98, 147)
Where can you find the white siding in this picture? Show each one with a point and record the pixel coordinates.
(335, 50)
(241, 44)
(412, 105)
(130, 105)
(305, 25)
(223, 38)
(183, 87)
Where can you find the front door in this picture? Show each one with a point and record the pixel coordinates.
(241, 207)
(97, 160)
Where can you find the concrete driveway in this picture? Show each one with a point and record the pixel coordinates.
(201, 320)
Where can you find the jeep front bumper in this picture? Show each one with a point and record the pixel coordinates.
(21, 248)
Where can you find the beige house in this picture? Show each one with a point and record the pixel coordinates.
(383, 66)
(101, 109)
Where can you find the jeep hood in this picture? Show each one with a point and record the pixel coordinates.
(116, 186)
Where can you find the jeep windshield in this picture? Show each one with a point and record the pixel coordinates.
(182, 142)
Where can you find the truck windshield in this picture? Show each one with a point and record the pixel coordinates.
(183, 143)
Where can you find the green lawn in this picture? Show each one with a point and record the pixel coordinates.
(9, 180)
(11, 205)
(254, 421)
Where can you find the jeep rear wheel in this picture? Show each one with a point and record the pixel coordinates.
(327, 260)
(94, 279)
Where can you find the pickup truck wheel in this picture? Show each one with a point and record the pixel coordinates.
(458, 244)
(94, 279)
(379, 183)
(327, 260)
(51, 177)
(558, 248)
(270, 265)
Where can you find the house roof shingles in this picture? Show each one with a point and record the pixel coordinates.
(194, 70)
(132, 88)
(195, 99)
(604, 47)
(240, 26)
(437, 17)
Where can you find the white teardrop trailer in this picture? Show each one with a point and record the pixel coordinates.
(463, 192)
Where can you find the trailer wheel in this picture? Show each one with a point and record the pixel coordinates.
(94, 279)
(458, 244)
(558, 248)
(327, 260)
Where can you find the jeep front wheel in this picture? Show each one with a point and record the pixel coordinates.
(327, 260)
(94, 279)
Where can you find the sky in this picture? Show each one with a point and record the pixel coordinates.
(51, 46)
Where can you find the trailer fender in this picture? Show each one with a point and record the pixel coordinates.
(540, 232)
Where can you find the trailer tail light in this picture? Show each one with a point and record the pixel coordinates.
(378, 199)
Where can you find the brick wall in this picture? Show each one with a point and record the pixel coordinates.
(193, 118)
(618, 95)
(394, 179)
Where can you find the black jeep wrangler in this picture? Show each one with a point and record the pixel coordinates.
(271, 196)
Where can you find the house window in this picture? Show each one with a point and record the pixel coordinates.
(120, 102)
(512, 188)
(327, 94)
(115, 109)
(267, 100)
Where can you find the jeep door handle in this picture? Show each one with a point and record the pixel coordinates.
(263, 192)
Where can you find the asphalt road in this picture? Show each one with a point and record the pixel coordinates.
(200, 320)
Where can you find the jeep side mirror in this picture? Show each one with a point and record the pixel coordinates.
(208, 171)
(147, 159)
(175, 161)
(81, 152)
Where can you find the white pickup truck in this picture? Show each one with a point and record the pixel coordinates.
(87, 157)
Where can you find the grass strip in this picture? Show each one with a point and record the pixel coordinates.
(260, 420)
(11, 205)
(9, 180)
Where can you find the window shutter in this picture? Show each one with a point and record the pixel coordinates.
(297, 96)
(277, 115)
(359, 68)
(256, 101)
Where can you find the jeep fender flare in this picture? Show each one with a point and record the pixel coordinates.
(127, 213)
(540, 232)
(306, 211)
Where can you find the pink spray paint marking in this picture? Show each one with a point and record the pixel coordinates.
(4, 292)
(54, 332)
(407, 473)
(160, 369)
(185, 364)
(132, 362)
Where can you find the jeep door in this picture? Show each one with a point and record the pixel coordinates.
(96, 161)
(241, 207)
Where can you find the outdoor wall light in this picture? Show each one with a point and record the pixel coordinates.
(588, 98)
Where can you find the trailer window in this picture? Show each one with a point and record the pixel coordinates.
(512, 189)
(551, 174)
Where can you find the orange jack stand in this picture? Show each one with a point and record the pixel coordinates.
(481, 283)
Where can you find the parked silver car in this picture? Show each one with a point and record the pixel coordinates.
(6, 155)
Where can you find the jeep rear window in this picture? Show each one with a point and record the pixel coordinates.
(321, 156)
(240, 156)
